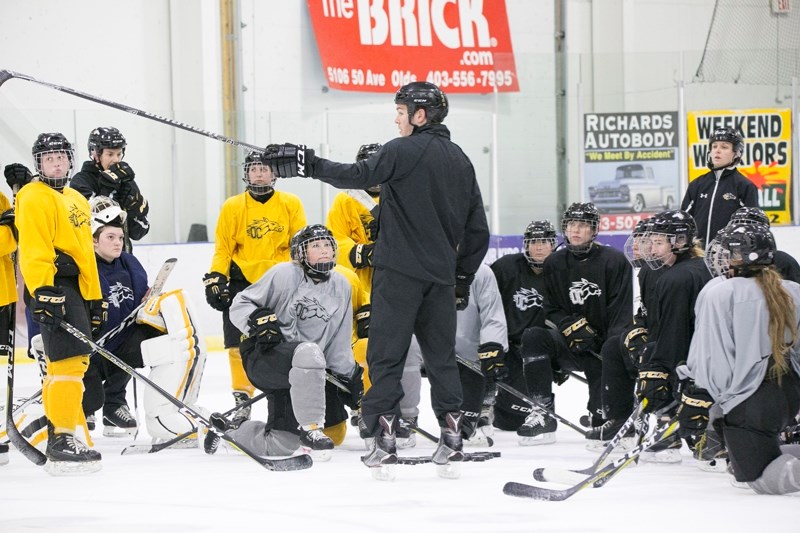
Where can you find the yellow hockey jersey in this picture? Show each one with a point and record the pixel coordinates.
(8, 280)
(349, 222)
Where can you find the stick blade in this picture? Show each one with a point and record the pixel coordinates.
(521, 490)
(5, 75)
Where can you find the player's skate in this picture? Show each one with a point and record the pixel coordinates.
(710, 452)
(601, 435)
(91, 422)
(67, 455)
(316, 443)
(666, 451)
(406, 438)
(382, 457)
(119, 423)
(538, 428)
(242, 414)
(449, 453)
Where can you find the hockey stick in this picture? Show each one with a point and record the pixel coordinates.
(154, 448)
(296, 462)
(367, 201)
(6, 75)
(530, 401)
(21, 407)
(521, 490)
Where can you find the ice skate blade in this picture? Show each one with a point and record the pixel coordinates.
(117, 432)
(319, 455)
(669, 456)
(538, 440)
(623, 446)
(449, 471)
(383, 472)
(72, 468)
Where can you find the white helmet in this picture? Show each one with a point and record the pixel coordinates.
(105, 212)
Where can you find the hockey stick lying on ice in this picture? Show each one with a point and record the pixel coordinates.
(530, 401)
(599, 478)
(6, 75)
(154, 448)
(297, 462)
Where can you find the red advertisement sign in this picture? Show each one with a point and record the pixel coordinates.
(463, 46)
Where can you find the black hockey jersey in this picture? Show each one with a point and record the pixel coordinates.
(522, 292)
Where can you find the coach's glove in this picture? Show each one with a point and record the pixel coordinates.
(463, 282)
(580, 336)
(48, 306)
(362, 321)
(218, 295)
(493, 361)
(355, 384)
(361, 255)
(653, 385)
(264, 328)
(98, 315)
(17, 175)
(634, 342)
(290, 160)
(693, 411)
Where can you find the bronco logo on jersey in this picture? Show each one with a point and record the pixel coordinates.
(260, 227)
(580, 291)
(310, 308)
(78, 217)
(729, 196)
(119, 293)
(525, 298)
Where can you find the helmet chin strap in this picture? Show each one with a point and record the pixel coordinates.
(733, 163)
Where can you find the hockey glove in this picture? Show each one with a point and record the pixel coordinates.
(361, 255)
(355, 384)
(463, 282)
(634, 342)
(559, 376)
(48, 306)
(17, 175)
(693, 412)
(264, 328)
(362, 321)
(580, 336)
(493, 361)
(372, 230)
(290, 160)
(123, 171)
(218, 295)
(653, 385)
(7, 219)
(98, 315)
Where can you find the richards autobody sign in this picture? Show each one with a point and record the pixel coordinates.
(630, 165)
(767, 157)
(464, 46)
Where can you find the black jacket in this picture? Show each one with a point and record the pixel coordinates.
(712, 201)
(432, 222)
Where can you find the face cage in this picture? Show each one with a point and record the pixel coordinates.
(526, 252)
(633, 251)
(317, 268)
(646, 250)
(717, 259)
(55, 183)
(258, 190)
(579, 248)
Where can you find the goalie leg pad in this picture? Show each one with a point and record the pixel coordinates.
(307, 384)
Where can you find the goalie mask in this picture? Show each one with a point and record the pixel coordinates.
(538, 232)
(53, 159)
(106, 212)
(576, 213)
(425, 95)
(728, 135)
(365, 152)
(740, 250)
(258, 175)
(315, 249)
(668, 233)
(101, 138)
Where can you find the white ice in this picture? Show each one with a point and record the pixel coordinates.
(186, 490)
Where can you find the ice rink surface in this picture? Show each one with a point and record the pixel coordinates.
(186, 490)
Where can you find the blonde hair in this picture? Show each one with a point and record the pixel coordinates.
(782, 318)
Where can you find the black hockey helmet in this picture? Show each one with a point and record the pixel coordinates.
(580, 212)
(251, 159)
(729, 135)
(299, 246)
(49, 143)
(743, 247)
(364, 152)
(677, 226)
(631, 248)
(425, 95)
(538, 230)
(102, 137)
(749, 215)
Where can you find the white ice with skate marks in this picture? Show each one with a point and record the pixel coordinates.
(186, 490)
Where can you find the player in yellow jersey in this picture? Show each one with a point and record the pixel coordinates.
(58, 264)
(8, 287)
(253, 233)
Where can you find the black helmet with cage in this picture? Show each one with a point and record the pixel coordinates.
(587, 213)
(105, 137)
(50, 145)
(749, 215)
(631, 248)
(741, 249)
(256, 159)
(537, 231)
(678, 227)
(299, 244)
(425, 95)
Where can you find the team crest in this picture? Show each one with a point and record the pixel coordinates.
(526, 298)
(78, 217)
(260, 227)
(307, 308)
(119, 293)
(729, 196)
(580, 291)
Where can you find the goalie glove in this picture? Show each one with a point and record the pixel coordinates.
(580, 336)
(493, 361)
(264, 328)
(290, 160)
(693, 411)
